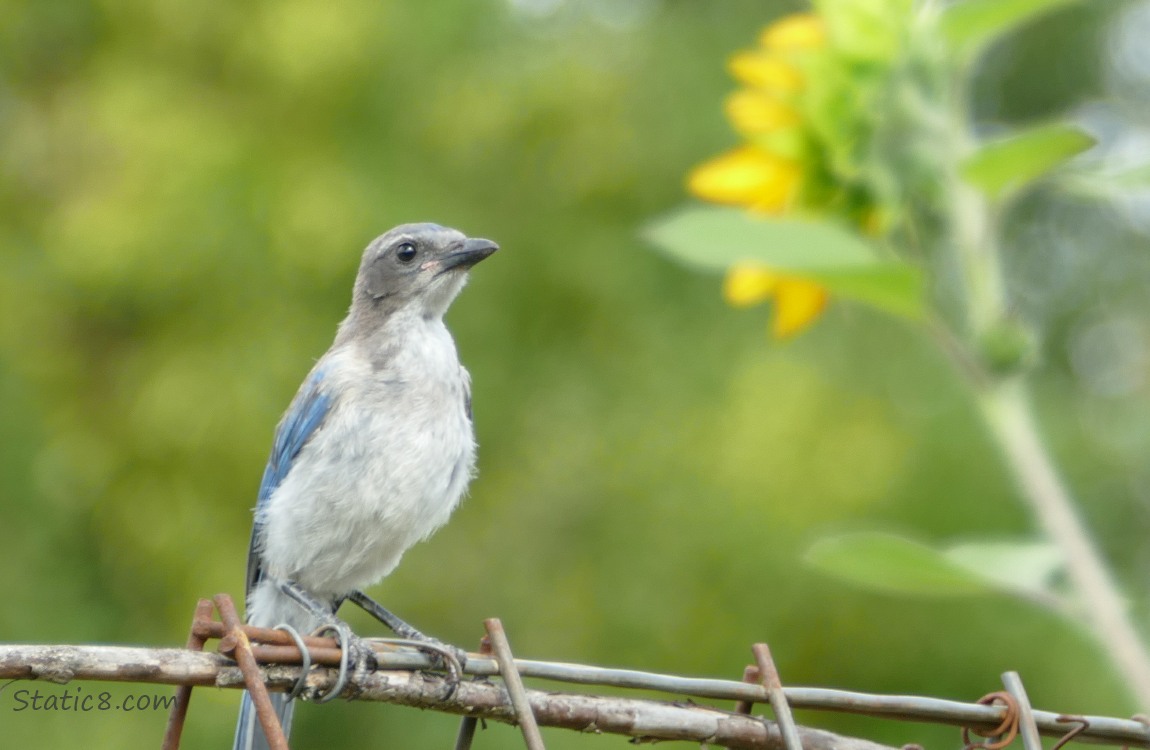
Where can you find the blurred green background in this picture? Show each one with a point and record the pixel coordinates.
(184, 194)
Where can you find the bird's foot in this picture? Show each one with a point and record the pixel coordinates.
(447, 657)
(444, 656)
(362, 655)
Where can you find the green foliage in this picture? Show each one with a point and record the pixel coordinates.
(891, 286)
(1133, 178)
(1006, 166)
(837, 104)
(853, 94)
(1008, 348)
(1026, 568)
(1107, 183)
(866, 30)
(893, 564)
(970, 24)
(715, 238)
(896, 565)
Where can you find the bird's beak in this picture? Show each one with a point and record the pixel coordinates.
(474, 250)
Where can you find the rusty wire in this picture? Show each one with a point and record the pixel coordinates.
(996, 715)
(1083, 725)
(1006, 731)
(175, 727)
(769, 675)
(514, 683)
(1027, 727)
(751, 677)
(468, 724)
(254, 681)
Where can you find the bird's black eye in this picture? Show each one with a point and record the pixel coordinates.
(405, 252)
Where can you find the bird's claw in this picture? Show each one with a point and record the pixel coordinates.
(362, 654)
(444, 657)
(450, 659)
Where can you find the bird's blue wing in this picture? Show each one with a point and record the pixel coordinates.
(305, 415)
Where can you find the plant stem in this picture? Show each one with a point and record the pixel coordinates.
(1005, 406)
(1006, 409)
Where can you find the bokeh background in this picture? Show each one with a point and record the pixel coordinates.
(184, 194)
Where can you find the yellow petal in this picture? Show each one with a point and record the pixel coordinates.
(778, 193)
(798, 303)
(753, 113)
(796, 32)
(748, 284)
(766, 71)
(748, 177)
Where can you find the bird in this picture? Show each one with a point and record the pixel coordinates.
(375, 451)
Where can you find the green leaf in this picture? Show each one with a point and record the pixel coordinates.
(714, 239)
(970, 24)
(893, 564)
(1132, 178)
(1106, 182)
(1028, 567)
(1007, 165)
(895, 288)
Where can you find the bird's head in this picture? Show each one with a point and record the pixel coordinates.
(421, 265)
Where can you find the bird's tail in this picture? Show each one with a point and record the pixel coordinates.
(249, 734)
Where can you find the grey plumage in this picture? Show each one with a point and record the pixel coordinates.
(377, 447)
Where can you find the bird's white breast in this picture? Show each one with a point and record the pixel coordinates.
(390, 462)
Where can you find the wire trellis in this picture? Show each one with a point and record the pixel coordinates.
(261, 659)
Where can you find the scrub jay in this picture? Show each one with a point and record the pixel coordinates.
(373, 454)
